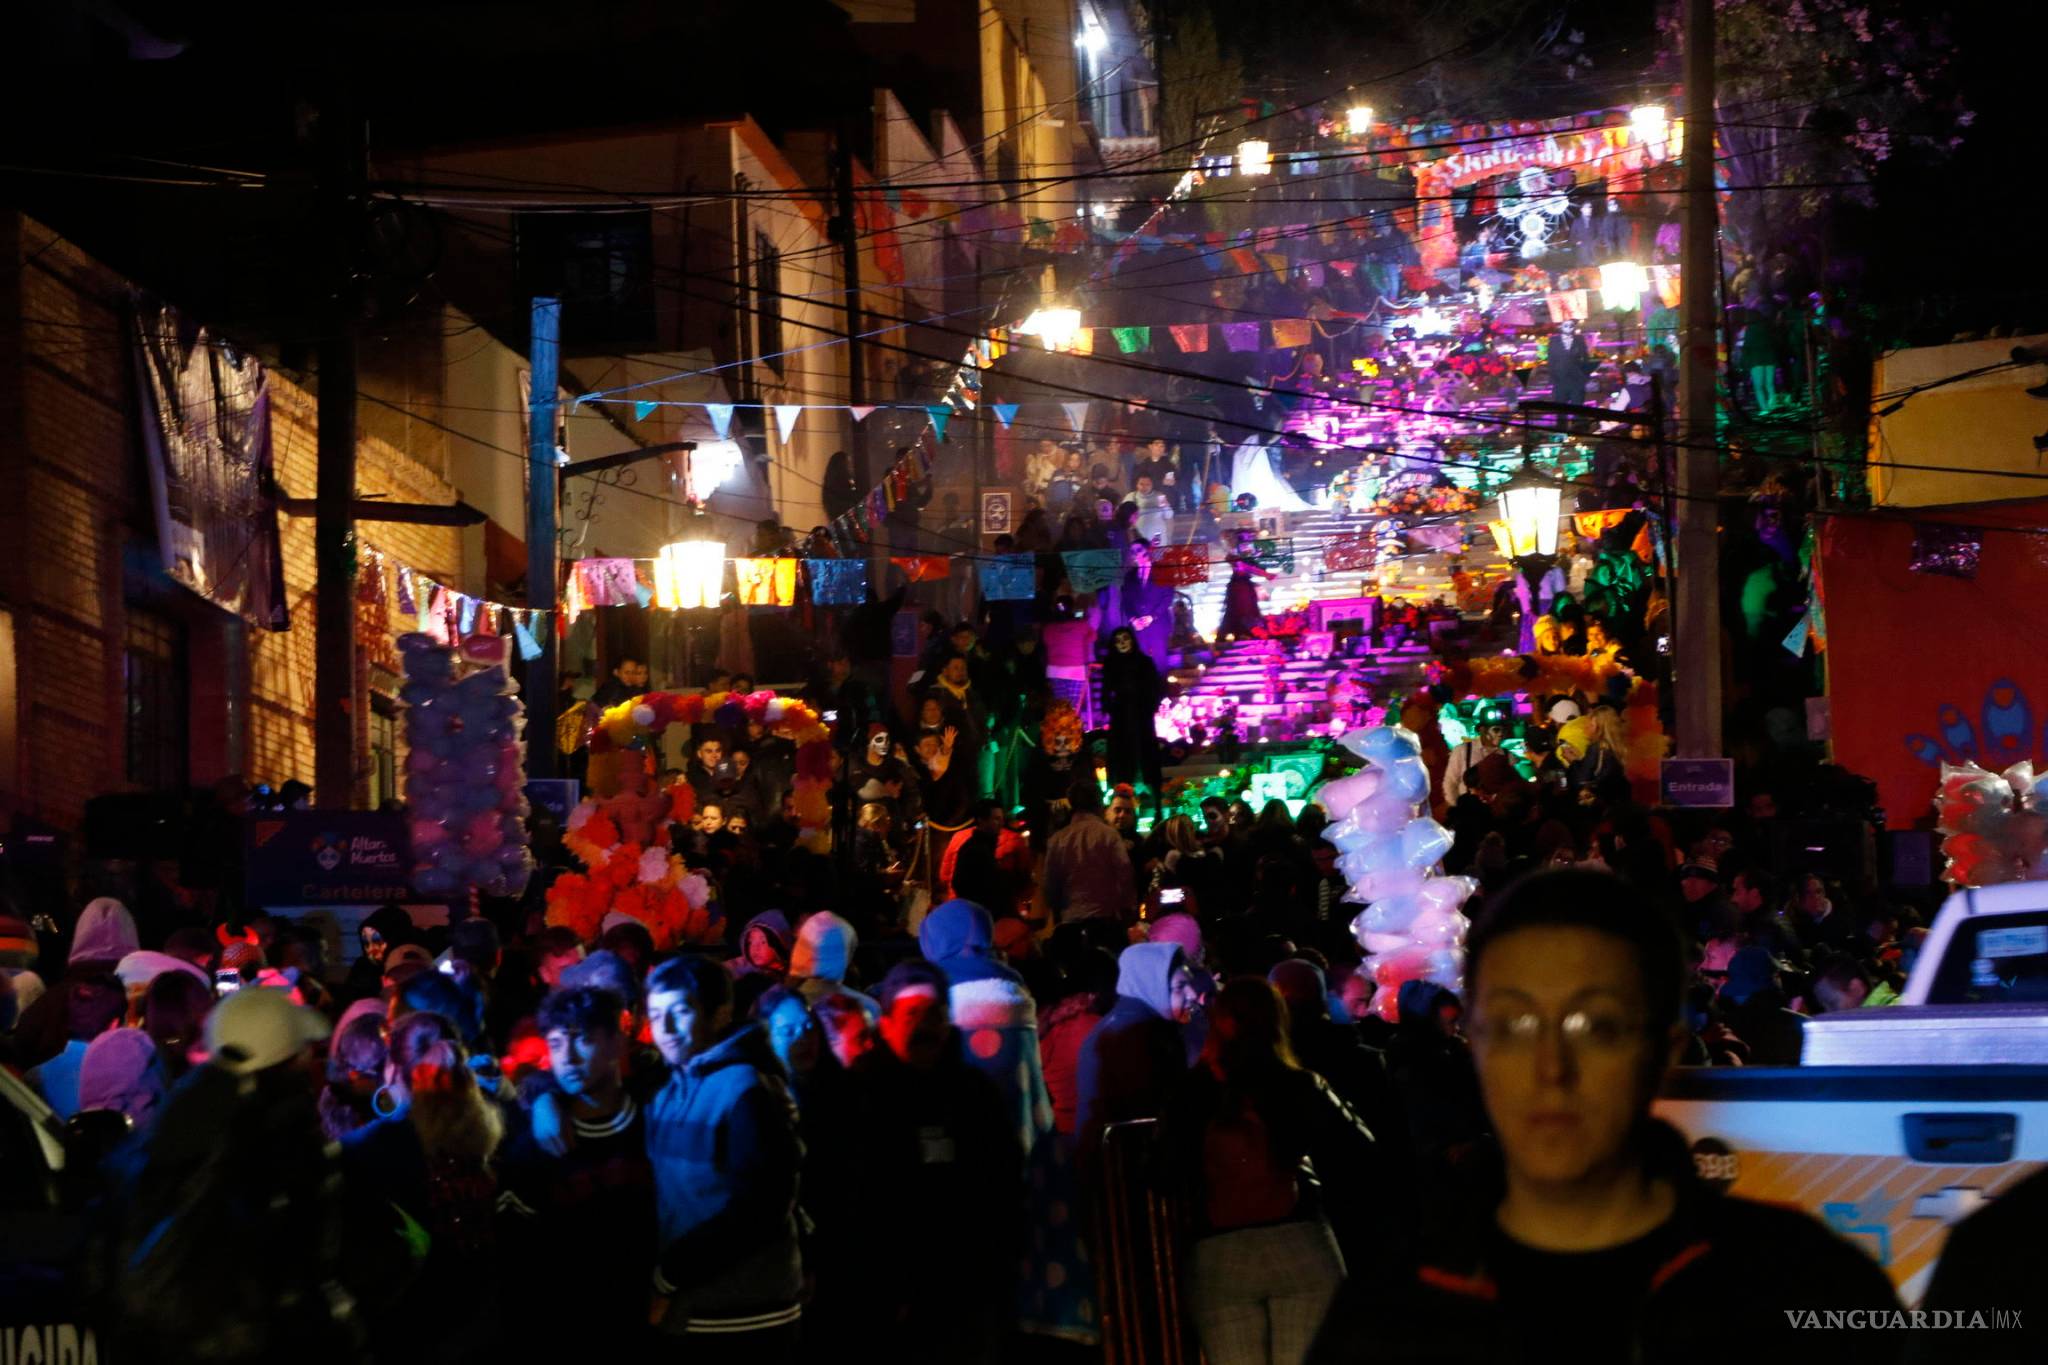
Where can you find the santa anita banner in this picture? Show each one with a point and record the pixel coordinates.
(1938, 655)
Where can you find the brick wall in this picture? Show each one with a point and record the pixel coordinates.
(77, 493)
(281, 698)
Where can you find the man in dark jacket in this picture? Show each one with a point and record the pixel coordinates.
(722, 1137)
(1135, 1056)
(586, 1213)
(1585, 1234)
(943, 1176)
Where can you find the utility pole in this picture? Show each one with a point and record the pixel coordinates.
(1697, 654)
(339, 140)
(542, 477)
(843, 228)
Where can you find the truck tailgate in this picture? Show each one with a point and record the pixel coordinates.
(1888, 1156)
(1928, 1035)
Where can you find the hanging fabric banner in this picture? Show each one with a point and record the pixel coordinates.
(465, 613)
(861, 411)
(529, 647)
(1359, 550)
(1568, 305)
(766, 582)
(1277, 555)
(1241, 336)
(1009, 578)
(434, 620)
(405, 602)
(1131, 340)
(785, 419)
(923, 568)
(941, 413)
(1092, 570)
(608, 582)
(838, 582)
(207, 441)
(1592, 525)
(1291, 332)
(721, 417)
(1182, 566)
(1447, 538)
(1006, 413)
(1077, 415)
(1191, 336)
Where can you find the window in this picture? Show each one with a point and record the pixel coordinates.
(383, 748)
(155, 700)
(600, 265)
(768, 300)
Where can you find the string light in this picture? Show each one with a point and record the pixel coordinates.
(1254, 157)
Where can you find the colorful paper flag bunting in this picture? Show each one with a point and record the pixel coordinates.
(721, 417)
(1077, 414)
(941, 413)
(785, 419)
(1005, 412)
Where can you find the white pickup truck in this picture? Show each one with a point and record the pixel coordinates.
(1899, 1120)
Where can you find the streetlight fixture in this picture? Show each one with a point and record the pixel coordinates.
(1254, 157)
(1054, 327)
(1529, 508)
(1622, 284)
(1650, 123)
(1530, 505)
(1091, 38)
(691, 571)
(1359, 119)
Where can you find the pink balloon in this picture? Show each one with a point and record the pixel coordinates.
(1340, 796)
(1383, 813)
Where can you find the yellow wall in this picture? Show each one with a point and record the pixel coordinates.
(1984, 426)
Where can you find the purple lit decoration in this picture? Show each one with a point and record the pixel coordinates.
(1939, 547)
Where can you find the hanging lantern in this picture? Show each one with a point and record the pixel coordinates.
(1530, 505)
(1254, 157)
(691, 573)
(1358, 118)
(1622, 284)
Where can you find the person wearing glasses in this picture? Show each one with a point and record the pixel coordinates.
(1587, 1236)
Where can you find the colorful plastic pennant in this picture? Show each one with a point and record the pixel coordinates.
(721, 417)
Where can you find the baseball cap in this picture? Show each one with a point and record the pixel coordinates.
(255, 1029)
(404, 953)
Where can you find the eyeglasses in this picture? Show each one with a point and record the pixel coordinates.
(1596, 1031)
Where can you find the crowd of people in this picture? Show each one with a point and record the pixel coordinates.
(821, 1141)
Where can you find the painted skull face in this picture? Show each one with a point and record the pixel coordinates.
(1060, 744)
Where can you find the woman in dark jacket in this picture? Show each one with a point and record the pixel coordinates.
(1244, 1138)
(837, 491)
(425, 1166)
(1131, 692)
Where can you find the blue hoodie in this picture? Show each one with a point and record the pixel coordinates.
(1132, 1058)
(992, 1012)
(722, 1138)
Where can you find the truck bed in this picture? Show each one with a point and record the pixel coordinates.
(1928, 1035)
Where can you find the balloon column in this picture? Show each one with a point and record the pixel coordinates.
(1412, 926)
(464, 771)
(1994, 826)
